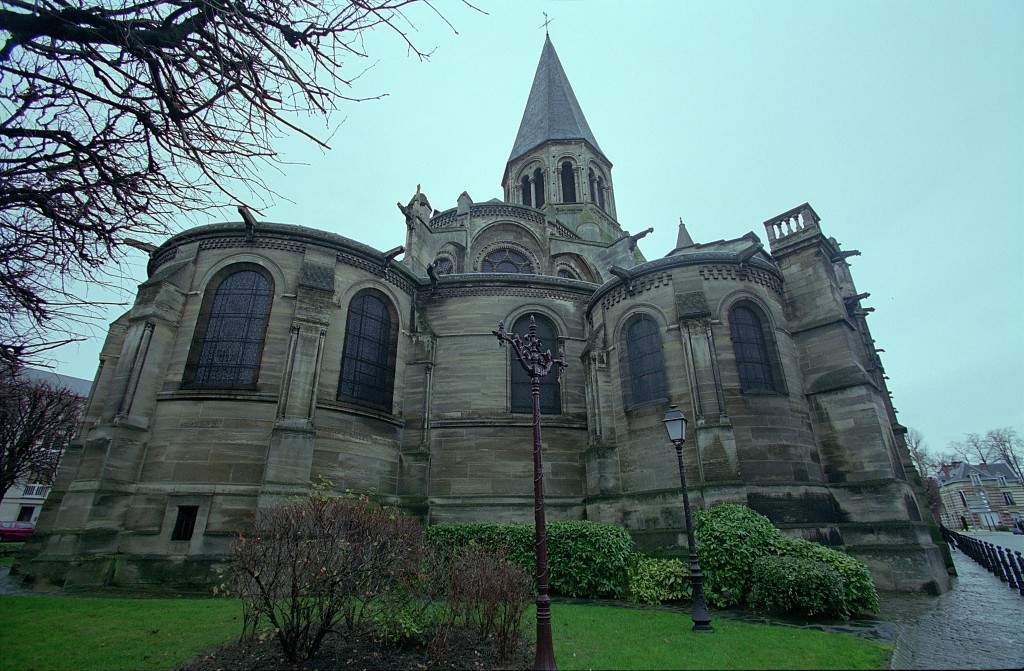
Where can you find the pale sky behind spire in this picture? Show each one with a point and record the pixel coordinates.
(900, 122)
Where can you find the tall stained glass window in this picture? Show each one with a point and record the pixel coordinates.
(227, 346)
(550, 389)
(368, 358)
(750, 344)
(646, 363)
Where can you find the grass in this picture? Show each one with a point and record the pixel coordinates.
(602, 637)
(55, 633)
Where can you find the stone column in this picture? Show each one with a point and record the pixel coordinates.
(289, 460)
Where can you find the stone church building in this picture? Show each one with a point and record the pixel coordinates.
(260, 357)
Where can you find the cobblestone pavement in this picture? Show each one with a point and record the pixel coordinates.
(979, 624)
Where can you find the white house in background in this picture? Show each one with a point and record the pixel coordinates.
(24, 500)
(980, 495)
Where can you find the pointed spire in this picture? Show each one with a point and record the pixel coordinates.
(683, 238)
(552, 112)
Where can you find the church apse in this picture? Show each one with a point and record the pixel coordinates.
(379, 371)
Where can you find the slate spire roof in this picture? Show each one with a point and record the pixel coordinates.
(552, 112)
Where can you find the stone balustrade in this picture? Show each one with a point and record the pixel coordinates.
(800, 218)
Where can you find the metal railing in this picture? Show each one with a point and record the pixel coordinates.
(1007, 565)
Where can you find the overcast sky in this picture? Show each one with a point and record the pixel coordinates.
(900, 122)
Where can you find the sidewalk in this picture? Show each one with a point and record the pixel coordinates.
(979, 624)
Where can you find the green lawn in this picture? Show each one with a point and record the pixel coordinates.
(54, 633)
(602, 637)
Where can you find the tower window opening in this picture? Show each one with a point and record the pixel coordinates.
(568, 183)
(527, 196)
(593, 186)
(600, 192)
(538, 185)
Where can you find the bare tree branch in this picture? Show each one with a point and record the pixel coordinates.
(119, 116)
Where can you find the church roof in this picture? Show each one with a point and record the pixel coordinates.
(552, 112)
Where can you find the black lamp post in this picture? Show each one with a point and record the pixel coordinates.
(537, 363)
(675, 425)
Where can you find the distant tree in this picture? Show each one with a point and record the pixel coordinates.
(117, 116)
(924, 461)
(1005, 445)
(972, 449)
(36, 422)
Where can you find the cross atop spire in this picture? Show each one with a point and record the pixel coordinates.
(545, 24)
(552, 112)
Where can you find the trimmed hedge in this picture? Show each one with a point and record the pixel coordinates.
(655, 581)
(586, 559)
(859, 595)
(796, 586)
(731, 539)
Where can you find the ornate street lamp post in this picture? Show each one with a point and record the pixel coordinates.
(675, 425)
(537, 364)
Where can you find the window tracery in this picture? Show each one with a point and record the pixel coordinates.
(646, 363)
(506, 260)
(227, 346)
(751, 342)
(368, 358)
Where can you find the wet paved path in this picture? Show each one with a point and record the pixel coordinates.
(9, 585)
(979, 624)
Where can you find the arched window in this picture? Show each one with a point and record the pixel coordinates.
(371, 344)
(227, 345)
(568, 183)
(527, 196)
(444, 265)
(550, 389)
(750, 339)
(593, 185)
(645, 364)
(538, 185)
(600, 192)
(505, 261)
(567, 273)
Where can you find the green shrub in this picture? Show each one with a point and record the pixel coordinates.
(730, 538)
(796, 586)
(585, 559)
(859, 595)
(656, 581)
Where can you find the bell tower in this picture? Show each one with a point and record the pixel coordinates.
(556, 164)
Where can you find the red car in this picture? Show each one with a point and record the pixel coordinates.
(16, 531)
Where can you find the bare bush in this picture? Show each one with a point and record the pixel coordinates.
(489, 595)
(315, 565)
